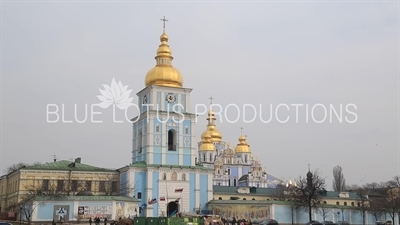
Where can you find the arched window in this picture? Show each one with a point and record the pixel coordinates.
(204, 157)
(210, 157)
(352, 203)
(245, 158)
(324, 202)
(164, 176)
(173, 176)
(184, 177)
(345, 203)
(253, 199)
(186, 130)
(139, 195)
(337, 203)
(140, 141)
(244, 198)
(219, 198)
(172, 140)
(234, 182)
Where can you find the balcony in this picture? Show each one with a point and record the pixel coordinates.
(171, 147)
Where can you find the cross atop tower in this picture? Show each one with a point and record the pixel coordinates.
(309, 167)
(211, 99)
(241, 130)
(164, 20)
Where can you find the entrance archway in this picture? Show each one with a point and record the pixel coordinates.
(172, 209)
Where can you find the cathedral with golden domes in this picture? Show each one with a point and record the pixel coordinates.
(232, 167)
(170, 171)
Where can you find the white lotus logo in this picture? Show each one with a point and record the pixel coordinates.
(115, 94)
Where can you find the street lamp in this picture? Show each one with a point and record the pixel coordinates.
(342, 215)
(338, 213)
(20, 214)
(291, 207)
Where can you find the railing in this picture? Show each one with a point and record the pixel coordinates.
(171, 147)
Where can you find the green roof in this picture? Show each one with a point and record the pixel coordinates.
(253, 190)
(86, 198)
(265, 202)
(144, 165)
(64, 165)
(271, 191)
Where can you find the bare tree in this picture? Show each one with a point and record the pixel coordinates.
(17, 166)
(363, 203)
(376, 207)
(352, 187)
(339, 183)
(392, 202)
(307, 194)
(29, 198)
(324, 210)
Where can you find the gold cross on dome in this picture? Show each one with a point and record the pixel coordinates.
(164, 20)
(241, 130)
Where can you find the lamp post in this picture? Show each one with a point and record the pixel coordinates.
(291, 207)
(342, 215)
(20, 214)
(338, 213)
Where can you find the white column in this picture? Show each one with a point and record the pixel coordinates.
(114, 211)
(193, 151)
(149, 193)
(163, 143)
(197, 190)
(180, 144)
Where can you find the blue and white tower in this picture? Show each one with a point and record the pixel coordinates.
(163, 173)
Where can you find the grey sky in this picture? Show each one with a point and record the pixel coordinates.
(255, 53)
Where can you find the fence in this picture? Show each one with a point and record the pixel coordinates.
(8, 216)
(167, 221)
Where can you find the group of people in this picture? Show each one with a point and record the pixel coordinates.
(97, 220)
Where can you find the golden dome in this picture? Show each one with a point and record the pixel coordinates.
(242, 147)
(212, 131)
(206, 144)
(164, 74)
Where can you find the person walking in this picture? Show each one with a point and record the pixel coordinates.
(105, 220)
(90, 221)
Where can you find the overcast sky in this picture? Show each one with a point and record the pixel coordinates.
(238, 52)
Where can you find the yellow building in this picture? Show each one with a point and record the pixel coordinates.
(57, 178)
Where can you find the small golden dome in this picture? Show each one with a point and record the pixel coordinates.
(206, 144)
(164, 74)
(242, 147)
(212, 131)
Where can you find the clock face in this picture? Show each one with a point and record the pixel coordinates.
(145, 99)
(170, 98)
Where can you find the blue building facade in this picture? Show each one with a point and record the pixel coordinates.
(163, 174)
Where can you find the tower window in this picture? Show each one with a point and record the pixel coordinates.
(204, 157)
(234, 182)
(183, 177)
(157, 128)
(186, 130)
(171, 140)
(139, 195)
(210, 157)
(140, 142)
(245, 158)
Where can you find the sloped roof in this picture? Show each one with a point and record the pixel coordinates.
(86, 198)
(272, 191)
(144, 165)
(64, 165)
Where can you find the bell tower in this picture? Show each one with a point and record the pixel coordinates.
(164, 131)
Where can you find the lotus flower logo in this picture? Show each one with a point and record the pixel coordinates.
(116, 94)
